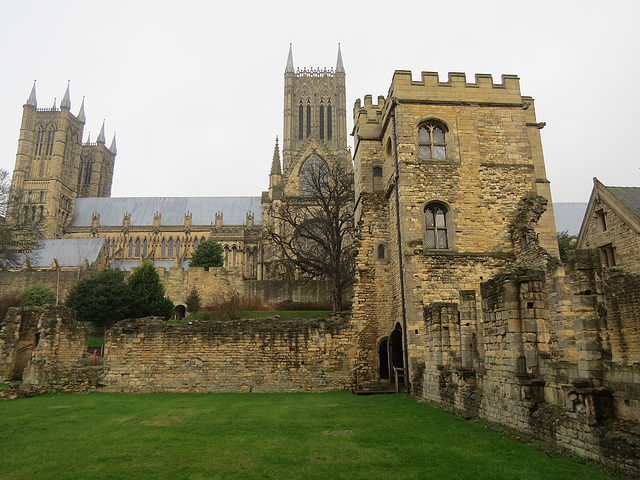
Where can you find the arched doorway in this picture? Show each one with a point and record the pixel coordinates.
(383, 359)
(179, 312)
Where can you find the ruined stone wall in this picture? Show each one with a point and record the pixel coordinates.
(553, 354)
(261, 355)
(13, 282)
(43, 346)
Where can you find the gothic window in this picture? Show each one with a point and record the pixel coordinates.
(195, 244)
(49, 147)
(137, 247)
(130, 248)
(300, 121)
(170, 248)
(178, 247)
(381, 252)
(41, 213)
(314, 176)
(602, 221)
(145, 246)
(163, 249)
(435, 220)
(39, 140)
(431, 142)
(226, 257)
(308, 118)
(234, 252)
(329, 123)
(41, 196)
(321, 120)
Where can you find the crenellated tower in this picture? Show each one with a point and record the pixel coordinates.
(53, 167)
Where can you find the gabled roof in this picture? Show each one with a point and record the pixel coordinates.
(625, 201)
(67, 252)
(172, 209)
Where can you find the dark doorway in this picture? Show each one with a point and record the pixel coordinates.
(395, 348)
(383, 356)
(179, 312)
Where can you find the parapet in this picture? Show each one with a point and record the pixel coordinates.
(456, 88)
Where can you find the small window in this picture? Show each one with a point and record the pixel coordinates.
(381, 252)
(431, 142)
(377, 171)
(602, 222)
(607, 255)
(435, 220)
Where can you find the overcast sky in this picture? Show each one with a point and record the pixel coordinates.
(194, 90)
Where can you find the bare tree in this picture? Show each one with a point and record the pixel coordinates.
(314, 232)
(16, 234)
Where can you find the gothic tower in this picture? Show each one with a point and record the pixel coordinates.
(53, 167)
(315, 123)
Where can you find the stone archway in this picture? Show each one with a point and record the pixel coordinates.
(179, 312)
(396, 354)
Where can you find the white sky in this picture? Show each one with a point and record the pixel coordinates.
(194, 90)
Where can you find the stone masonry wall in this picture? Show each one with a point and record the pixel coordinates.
(261, 355)
(43, 346)
(553, 355)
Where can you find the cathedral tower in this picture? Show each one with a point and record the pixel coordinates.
(53, 167)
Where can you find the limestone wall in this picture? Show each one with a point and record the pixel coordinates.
(43, 346)
(262, 355)
(551, 354)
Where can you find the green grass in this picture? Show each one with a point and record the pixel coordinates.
(3, 385)
(258, 436)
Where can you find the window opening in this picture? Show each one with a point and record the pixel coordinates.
(431, 142)
(435, 219)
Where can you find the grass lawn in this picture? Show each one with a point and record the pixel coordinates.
(249, 436)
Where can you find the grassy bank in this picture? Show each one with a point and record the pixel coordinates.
(268, 436)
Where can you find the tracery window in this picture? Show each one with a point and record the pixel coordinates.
(314, 176)
(329, 123)
(432, 142)
(300, 121)
(435, 221)
(321, 120)
(170, 248)
(137, 247)
(308, 118)
(163, 250)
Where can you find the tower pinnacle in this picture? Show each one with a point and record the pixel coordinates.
(289, 68)
(101, 138)
(80, 116)
(339, 65)
(66, 99)
(275, 163)
(113, 148)
(32, 97)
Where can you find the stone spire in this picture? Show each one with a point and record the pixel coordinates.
(289, 68)
(101, 138)
(81, 118)
(55, 107)
(339, 65)
(66, 99)
(32, 98)
(275, 163)
(113, 148)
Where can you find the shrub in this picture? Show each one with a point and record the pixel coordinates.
(193, 301)
(148, 293)
(37, 295)
(226, 306)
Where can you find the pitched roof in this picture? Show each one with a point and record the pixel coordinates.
(630, 196)
(172, 209)
(569, 216)
(68, 252)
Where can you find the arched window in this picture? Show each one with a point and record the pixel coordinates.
(300, 121)
(226, 257)
(130, 248)
(234, 252)
(381, 252)
(39, 140)
(431, 142)
(321, 120)
(163, 250)
(314, 176)
(49, 146)
(435, 221)
(170, 248)
(308, 118)
(329, 124)
(178, 247)
(145, 246)
(195, 244)
(137, 247)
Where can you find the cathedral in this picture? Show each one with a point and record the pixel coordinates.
(65, 184)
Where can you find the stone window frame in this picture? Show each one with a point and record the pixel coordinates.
(432, 123)
(449, 225)
(311, 166)
(382, 252)
(608, 255)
